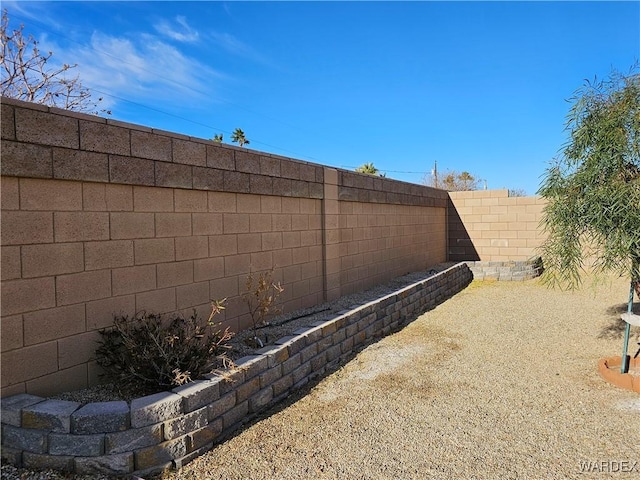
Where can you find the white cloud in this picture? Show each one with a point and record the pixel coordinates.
(185, 34)
(141, 68)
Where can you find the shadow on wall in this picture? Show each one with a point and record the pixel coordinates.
(460, 245)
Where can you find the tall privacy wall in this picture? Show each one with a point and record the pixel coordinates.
(491, 226)
(100, 217)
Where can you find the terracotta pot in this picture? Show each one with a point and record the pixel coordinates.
(609, 369)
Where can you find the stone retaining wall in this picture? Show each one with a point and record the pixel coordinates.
(168, 429)
(512, 270)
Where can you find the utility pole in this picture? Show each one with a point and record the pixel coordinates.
(434, 173)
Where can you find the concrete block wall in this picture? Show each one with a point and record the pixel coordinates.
(101, 217)
(490, 226)
(168, 429)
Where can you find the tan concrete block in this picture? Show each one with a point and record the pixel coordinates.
(26, 363)
(282, 258)
(192, 247)
(236, 182)
(11, 266)
(67, 380)
(308, 238)
(10, 193)
(45, 128)
(51, 259)
(152, 199)
(133, 279)
(26, 160)
(22, 228)
(224, 288)
(270, 204)
(119, 198)
(219, 156)
(7, 117)
(189, 152)
(149, 145)
(206, 223)
(108, 254)
(248, 204)
(260, 222)
(173, 224)
(18, 295)
(291, 239)
(173, 175)
(157, 301)
(190, 200)
(223, 245)
(80, 165)
(315, 253)
(100, 313)
(248, 162)
(249, 242)
(271, 241)
(107, 197)
(281, 222)
(100, 137)
(261, 261)
(221, 202)
(175, 273)
(154, 250)
(235, 223)
(300, 255)
(131, 170)
(53, 323)
(527, 217)
(192, 295)
(77, 349)
(208, 179)
(131, 225)
(290, 275)
(81, 226)
(208, 269)
(290, 205)
(82, 287)
(237, 265)
(310, 206)
(12, 333)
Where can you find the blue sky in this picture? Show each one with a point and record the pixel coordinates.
(476, 86)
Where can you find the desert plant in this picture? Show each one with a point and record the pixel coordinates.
(593, 189)
(261, 294)
(150, 353)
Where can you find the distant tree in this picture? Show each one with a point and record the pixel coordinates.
(517, 192)
(238, 137)
(26, 74)
(453, 181)
(217, 138)
(368, 168)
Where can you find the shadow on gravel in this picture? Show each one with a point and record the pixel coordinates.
(615, 326)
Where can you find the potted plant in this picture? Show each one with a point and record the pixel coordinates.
(593, 190)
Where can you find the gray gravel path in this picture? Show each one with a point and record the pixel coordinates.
(498, 382)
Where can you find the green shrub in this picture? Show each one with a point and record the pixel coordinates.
(152, 354)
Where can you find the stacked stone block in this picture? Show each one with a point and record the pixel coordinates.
(506, 271)
(168, 429)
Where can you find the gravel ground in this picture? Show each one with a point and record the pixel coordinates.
(498, 382)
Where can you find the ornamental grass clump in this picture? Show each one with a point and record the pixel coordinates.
(151, 354)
